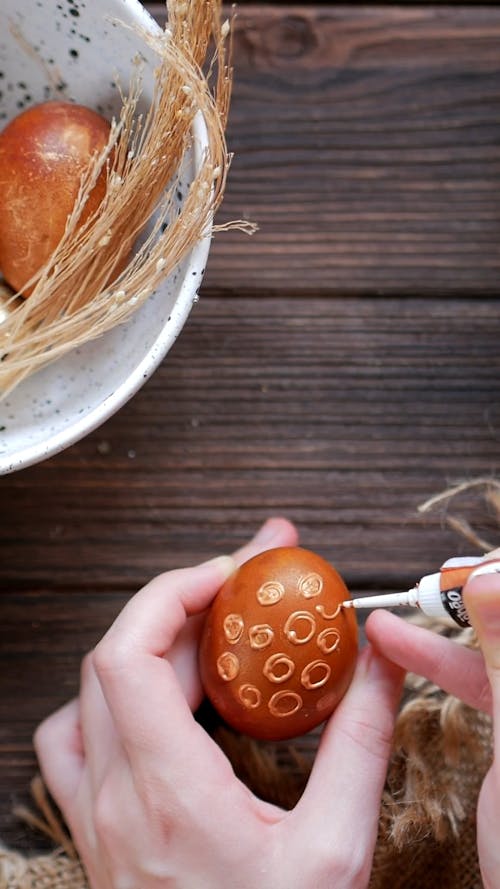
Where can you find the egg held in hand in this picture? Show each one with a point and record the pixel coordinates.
(43, 153)
(278, 651)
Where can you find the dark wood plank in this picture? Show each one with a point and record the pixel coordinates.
(367, 148)
(343, 413)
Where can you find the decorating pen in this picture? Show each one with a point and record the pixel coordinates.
(437, 595)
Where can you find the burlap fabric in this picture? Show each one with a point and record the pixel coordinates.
(56, 871)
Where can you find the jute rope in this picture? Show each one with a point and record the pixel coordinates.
(60, 869)
(54, 871)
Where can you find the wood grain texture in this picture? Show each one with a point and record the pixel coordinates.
(343, 413)
(366, 148)
(341, 367)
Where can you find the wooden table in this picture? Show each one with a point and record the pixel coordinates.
(341, 366)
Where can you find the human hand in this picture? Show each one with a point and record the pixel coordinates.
(151, 800)
(473, 676)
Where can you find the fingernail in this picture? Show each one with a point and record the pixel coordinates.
(223, 564)
(267, 533)
(482, 599)
(377, 667)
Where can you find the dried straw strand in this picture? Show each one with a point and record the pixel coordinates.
(489, 487)
(92, 281)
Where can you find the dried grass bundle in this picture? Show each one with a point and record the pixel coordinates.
(480, 499)
(93, 281)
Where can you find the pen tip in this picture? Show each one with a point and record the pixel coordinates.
(347, 603)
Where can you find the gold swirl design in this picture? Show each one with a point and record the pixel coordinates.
(228, 666)
(260, 636)
(249, 696)
(233, 628)
(284, 703)
(292, 628)
(279, 667)
(321, 609)
(311, 585)
(328, 640)
(270, 592)
(315, 667)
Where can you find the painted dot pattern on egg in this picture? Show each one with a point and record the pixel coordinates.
(260, 636)
(283, 648)
(228, 666)
(270, 593)
(233, 628)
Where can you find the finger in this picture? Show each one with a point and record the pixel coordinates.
(351, 763)
(152, 619)
(164, 744)
(137, 682)
(276, 531)
(482, 600)
(456, 669)
(147, 703)
(58, 745)
(98, 732)
(155, 615)
(493, 554)
(183, 654)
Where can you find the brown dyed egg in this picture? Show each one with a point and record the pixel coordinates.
(43, 153)
(278, 651)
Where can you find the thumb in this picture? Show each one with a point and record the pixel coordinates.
(482, 600)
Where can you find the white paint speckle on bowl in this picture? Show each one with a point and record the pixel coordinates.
(87, 53)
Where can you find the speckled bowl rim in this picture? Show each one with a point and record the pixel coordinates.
(186, 297)
(123, 393)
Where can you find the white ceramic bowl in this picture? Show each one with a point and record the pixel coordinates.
(79, 42)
